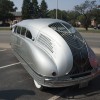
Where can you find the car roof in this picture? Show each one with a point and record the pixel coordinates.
(38, 23)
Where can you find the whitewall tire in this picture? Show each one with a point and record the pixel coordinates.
(38, 86)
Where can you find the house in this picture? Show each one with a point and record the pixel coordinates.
(18, 15)
(93, 22)
(18, 18)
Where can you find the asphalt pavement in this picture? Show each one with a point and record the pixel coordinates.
(17, 84)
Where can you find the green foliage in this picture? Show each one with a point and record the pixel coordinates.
(95, 14)
(72, 17)
(26, 9)
(6, 6)
(43, 9)
(83, 13)
(81, 19)
(69, 16)
(61, 14)
(31, 9)
(35, 9)
(52, 13)
(85, 9)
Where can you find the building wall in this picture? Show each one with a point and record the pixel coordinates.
(93, 23)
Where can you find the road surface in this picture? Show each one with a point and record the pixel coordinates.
(16, 83)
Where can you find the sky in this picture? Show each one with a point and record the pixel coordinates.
(52, 4)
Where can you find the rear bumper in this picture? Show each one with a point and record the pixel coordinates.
(67, 82)
(63, 82)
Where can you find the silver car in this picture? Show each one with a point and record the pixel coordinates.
(54, 53)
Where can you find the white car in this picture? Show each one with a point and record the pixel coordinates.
(54, 53)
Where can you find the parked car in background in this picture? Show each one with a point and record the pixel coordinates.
(97, 27)
(54, 53)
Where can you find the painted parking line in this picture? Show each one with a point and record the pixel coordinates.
(5, 45)
(9, 65)
(3, 50)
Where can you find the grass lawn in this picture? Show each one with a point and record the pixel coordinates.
(4, 28)
(90, 30)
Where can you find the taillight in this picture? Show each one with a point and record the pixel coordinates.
(92, 58)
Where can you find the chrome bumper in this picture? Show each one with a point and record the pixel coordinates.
(63, 82)
(67, 82)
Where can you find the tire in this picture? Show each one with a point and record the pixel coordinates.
(38, 86)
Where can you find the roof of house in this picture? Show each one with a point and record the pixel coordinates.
(16, 13)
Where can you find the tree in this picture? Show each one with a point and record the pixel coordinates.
(35, 9)
(52, 13)
(31, 11)
(6, 6)
(85, 9)
(43, 9)
(61, 14)
(96, 15)
(69, 16)
(26, 9)
(72, 17)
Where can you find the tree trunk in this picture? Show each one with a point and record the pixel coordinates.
(86, 28)
(86, 22)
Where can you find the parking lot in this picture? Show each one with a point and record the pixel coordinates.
(17, 84)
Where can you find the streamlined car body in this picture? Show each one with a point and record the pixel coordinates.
(53, 53)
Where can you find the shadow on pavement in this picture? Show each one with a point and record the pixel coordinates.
(14, 94)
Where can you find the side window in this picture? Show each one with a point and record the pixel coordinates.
(23, 31)
(28, 34)
(18, 29)
(15, 29)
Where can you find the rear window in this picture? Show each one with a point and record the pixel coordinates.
(62, 27)
(65, 29)
(69, 27)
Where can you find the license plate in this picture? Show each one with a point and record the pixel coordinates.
(83, 84)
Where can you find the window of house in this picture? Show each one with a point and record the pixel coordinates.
(28, 34)
(23, 31)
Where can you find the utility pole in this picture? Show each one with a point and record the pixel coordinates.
(57, 10)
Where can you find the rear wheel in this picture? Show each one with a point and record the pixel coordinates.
(38, 86)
